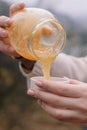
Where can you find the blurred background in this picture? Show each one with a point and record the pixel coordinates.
(17, 110)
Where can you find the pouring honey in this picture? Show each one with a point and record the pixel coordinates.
(37, 35)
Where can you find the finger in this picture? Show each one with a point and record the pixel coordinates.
(63, 114)
(16, 7)
(67, 90)
(5, 21)
(3, 33)
(55, 100)
(72, 81)
(7, 49)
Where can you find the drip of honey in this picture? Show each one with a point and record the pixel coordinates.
(44, 53)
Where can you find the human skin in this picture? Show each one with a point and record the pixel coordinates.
(5, 22)
(64, 102)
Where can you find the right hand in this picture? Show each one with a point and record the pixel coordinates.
(5, 45)
(64, 102)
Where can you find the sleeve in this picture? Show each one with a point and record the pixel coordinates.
(70, 66)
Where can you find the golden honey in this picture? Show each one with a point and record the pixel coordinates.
(37, 35)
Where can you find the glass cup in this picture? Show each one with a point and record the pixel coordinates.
(34, 79)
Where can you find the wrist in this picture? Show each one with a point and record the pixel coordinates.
(27, 65)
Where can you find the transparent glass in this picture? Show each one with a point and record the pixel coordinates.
(28, 40)
(37, 35)
(56, 79)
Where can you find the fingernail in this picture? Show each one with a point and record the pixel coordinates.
(8, 22)
(38, 83)
(31, 92)
(21, 5)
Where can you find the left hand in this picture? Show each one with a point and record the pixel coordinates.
(64, 102)
(6, 22)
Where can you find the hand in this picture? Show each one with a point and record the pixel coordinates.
(5, 46)
(64, 102)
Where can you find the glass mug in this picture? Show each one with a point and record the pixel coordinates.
(36, 34)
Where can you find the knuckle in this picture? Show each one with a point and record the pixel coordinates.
(65, 91)
(83, 106)
(56, 102)
(58, 115)
(46, 85)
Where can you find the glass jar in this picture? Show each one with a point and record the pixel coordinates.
(36, 34)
